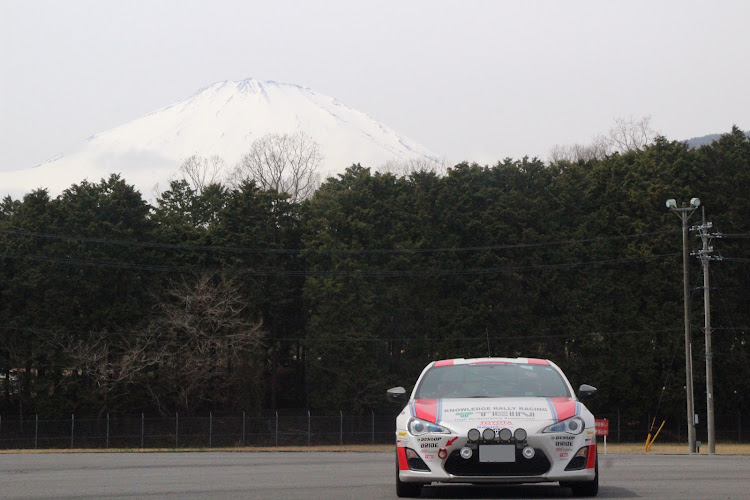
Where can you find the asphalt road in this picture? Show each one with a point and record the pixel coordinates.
(326, 475)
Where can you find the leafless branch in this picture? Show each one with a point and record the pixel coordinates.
(283, 163)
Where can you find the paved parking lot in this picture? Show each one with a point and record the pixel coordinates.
(331, 475)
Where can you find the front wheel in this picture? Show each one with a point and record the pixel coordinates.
(587, 488)
(407, 490)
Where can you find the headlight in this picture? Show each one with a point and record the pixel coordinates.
(417, 427)
(572, 425)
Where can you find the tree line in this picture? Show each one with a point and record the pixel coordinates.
(241, 296)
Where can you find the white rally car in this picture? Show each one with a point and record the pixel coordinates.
(495, 420)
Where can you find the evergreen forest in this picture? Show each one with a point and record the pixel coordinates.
(219, 298)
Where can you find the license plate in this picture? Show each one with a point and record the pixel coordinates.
(497, 453)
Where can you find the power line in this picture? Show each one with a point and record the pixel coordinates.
(303, 273)
(148, 244)
(400, 339)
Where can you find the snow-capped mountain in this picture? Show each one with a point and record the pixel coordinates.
(223, 119)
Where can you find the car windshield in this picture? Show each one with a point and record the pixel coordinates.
(491, 380)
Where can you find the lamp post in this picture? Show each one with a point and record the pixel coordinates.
(684, 213)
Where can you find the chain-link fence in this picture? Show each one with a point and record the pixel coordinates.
(728, 429)
(212, 430)
(300, 429)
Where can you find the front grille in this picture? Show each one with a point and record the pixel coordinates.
(535, 466)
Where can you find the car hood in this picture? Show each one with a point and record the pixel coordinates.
(470, 410)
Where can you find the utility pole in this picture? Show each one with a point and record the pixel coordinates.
(705, 257)
(684, 213)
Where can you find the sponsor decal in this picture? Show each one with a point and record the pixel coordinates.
(428, 439)
(566, 441)
(563, 455)
(429, 457)
(495, 423)
(499, 408)
(425, 446)
(402, 433)
(590, 432)
(499, 411)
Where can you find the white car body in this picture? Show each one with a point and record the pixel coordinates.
(428, 453)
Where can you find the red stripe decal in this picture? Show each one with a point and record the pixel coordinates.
(445, 362)
(591, 462)
(401, 454)
(534, 361)
(565, 408)
(426, 409)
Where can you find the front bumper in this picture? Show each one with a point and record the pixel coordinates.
(554, 459)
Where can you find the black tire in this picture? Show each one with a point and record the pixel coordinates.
(407, 490)
(587, 488)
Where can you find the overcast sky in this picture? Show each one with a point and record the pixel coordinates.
(470, 80)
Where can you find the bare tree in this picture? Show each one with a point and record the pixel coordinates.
(597, 150)
(627, 135)
(200, 171)
(200, 348)
(411, 165)
(208, 347)
(630, 134)
(113, 362)
(283, 163)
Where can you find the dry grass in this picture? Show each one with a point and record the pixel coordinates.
(674, 448)
(657, 448)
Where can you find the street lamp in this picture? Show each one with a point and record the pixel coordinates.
(684, 213)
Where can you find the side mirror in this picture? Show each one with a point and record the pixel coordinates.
(397, 395)
(586, 392)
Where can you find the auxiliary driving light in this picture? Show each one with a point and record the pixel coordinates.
(466, 453)
(520, 434)
(528, 452)
(474, 435)
(505, 434)
(488, 434)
